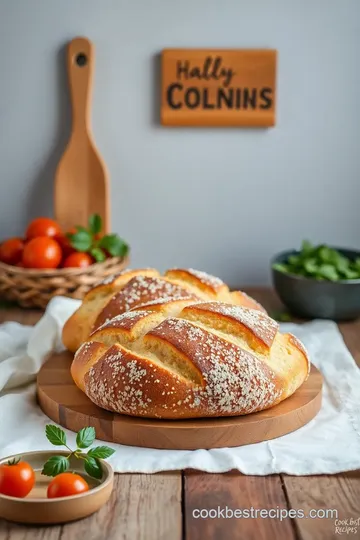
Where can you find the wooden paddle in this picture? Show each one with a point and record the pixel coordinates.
(81, 180)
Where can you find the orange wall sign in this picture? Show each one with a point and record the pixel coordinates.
(218, 87)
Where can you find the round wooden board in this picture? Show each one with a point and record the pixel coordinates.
(64, 403)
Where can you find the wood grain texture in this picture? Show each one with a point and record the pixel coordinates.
(11, 531)
(340, 492)
(64, 403)
(218, 87)
(142, 507)
(234, 491)
(81, 180)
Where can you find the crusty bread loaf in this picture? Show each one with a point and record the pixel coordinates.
(203, 359)
(145, 287)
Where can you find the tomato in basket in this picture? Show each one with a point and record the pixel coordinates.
(43, 226)
(42, 253)
(11, 250)
(78, 260)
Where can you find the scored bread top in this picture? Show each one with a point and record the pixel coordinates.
(233, 320)
(146, 289)
(139, 291)
(206, 359)
(204, 282)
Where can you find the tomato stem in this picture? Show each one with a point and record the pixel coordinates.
(14, 461)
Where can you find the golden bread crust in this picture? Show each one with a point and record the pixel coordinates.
(205, 360)
(145, 289)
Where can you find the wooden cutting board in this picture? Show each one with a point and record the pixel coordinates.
(64, 403)
(81, 180)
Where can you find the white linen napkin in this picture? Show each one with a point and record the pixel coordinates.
(330, 443)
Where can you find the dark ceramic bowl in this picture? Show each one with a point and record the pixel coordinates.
(306, 297)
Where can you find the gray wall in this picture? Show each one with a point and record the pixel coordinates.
(222, 200)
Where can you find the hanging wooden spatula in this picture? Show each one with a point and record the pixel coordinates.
(81, 180)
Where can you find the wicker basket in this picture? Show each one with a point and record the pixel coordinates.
(35, 288)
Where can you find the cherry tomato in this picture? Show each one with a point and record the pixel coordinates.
(65, 245)
(42, 252)
(11, 250)
(16, 479)
(78, 260)
(43, 227)
(66, 484)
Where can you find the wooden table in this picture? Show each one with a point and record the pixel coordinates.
(159, 506)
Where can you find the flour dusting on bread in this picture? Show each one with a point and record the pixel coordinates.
(178, 368)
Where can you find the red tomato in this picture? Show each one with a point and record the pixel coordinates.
(66, 484)
(42, 252)
(78, 260)
(16, 480)
(65, 245)
(43, 227)
(11, 250)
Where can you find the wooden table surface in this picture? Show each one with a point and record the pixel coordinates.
(159, 506)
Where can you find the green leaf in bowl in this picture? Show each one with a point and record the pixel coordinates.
(295, 260)
(328, 271)
(280, 267)
(311, 266)
(357, 264)
(351, 274)
(306, 247)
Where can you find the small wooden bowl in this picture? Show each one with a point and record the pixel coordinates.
(36, 508)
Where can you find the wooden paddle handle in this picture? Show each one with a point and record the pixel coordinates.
(80, 65)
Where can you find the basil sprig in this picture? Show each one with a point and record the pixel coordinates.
(88, 240)
(84, 438)
(321, 263)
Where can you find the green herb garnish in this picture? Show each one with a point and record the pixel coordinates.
(89, 240)
(321, 263)
(84, 438)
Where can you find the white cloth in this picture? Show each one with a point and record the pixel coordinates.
(330, 443)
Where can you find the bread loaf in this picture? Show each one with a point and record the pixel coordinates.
(146, 287)
(202, 359)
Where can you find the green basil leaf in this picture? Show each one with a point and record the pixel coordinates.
(80, 228)
(85, 437)
(101, 452)
(351, 274)
(81, 240)
(98, 254)
(95, 223)
(342, 264)
(93, 467)
(55, 465)
(324, 254)
(55, 435)
(294, 260)
(328, 271)
(311, 266)
(306, 247)
(115, 245)
(280, 267)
